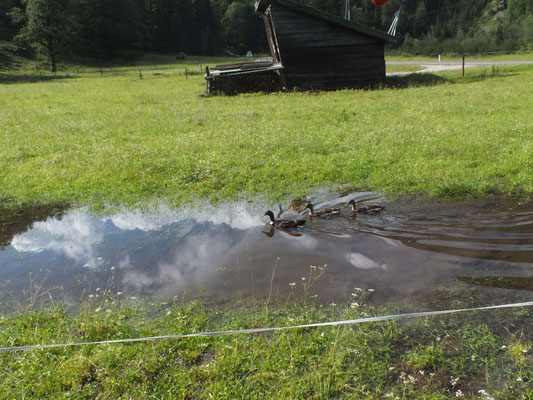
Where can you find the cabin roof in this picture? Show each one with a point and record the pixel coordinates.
(263, 5)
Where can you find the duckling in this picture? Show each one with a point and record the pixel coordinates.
(326, 213)
(283, 223)
(369, 208)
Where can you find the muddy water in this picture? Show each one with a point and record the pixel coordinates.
(413, 249)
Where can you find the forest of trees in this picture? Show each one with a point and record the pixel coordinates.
(106, 29)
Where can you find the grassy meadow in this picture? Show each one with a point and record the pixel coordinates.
(107, 136)
(476, 355)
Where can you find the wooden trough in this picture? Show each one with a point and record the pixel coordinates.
(310, 50)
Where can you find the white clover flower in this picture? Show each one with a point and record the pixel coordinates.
(485, 395)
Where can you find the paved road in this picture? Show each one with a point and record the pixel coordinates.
(450, 65)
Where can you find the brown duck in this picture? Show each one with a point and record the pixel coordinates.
(366, 209)
(283, 223)
(326, 213)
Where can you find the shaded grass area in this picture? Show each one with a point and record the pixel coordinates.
(476, 355)
(103, 139)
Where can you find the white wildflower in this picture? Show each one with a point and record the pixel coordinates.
(459, 394)
(292, 284)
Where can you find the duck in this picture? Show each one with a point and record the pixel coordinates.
(368, 209)
(283, 223)
(326, 213)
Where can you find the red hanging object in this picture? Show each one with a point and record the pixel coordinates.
(380, 2)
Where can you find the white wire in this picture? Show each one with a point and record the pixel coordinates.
(263, 330)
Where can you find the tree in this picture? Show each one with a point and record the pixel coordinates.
(209, 39)
(109, 27)
(45, 26)
(7, 29)
(236, 27)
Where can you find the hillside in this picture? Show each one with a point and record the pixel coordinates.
(106, 29)
(458, 26)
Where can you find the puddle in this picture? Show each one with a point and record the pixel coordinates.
(413, 249)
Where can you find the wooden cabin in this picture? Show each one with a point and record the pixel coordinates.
(310, 50)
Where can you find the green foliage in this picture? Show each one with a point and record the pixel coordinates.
(434, 358)
(46, 25)
(105, 29)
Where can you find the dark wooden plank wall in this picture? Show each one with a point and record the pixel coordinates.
(319, 53)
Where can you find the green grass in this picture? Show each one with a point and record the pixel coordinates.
(427, 358)
(87, 138)
(519, 56)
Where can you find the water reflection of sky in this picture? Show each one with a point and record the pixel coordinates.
(229, 253)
